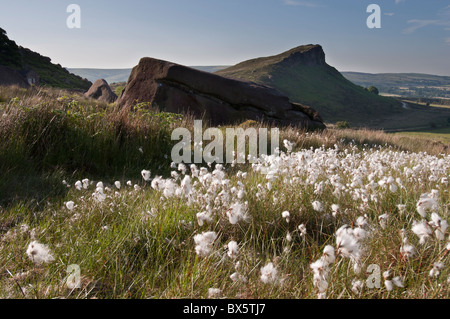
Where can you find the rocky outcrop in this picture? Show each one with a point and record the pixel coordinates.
(311, 54)
(219, 100)
(101, 91)
(10, 76)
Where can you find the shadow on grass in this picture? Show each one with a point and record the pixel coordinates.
(31, 187)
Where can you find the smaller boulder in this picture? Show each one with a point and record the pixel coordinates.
(101, 91)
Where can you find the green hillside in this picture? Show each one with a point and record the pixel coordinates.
(24, 61)
(304, 76)
(50, 74)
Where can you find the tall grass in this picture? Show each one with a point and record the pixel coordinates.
(138, 242)
(48, 131)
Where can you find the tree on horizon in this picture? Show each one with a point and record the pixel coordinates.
(9, 52)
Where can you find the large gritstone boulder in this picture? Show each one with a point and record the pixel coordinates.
(175, 88)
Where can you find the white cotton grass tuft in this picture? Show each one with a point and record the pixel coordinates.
(422, 230)
(439, 225)
(237, 212)
(146, 175)
(237, 277)
(214, 292)
(317, 206)
(335, 210)
(286, 215)
(426, 203)
(288, 145)
(79, 185)
(361, 221)
(85, 183)
(269, 274)
(117, 184)
(407, 250)
(182, 168)
(302, 230)
(328, 255)
(39, 253)
(70, 205)
(382, 219)
(204, 242)
(436, 270)
(346, 243)
(321, 273)
(233, 249)
(321, 270)
(389, 285)
(357, 286)
(203, 217)
(398, 282)
(288, 237)
(99, 195)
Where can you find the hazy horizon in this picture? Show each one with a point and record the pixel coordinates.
(342, 71)
(414, 36)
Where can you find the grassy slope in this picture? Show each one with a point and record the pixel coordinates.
(52, 74)
(139, 244)
(321, 87)
(416, 117)
(48, 132)
(442, 135)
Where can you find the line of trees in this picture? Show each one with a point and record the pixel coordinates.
(9, 52)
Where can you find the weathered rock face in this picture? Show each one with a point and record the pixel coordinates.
(219, 100)
(307, 55)
(101, 91)
(9, 76)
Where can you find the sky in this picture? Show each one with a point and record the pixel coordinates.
(414, 34)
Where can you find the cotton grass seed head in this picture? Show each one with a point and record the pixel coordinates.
(269, 274)
(146, 175)
(39, 253)
(233, 249)
(70, 205)
(204, 243)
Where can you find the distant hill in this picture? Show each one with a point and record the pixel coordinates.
(23, 67)
(121, 75)
(110, 75)
(404, 84)
(303, 74)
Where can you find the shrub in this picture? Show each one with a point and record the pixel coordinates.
(249, 123)
(119, 90)
(343, 124)
(373, 89)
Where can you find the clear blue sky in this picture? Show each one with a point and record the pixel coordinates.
(414, 34)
